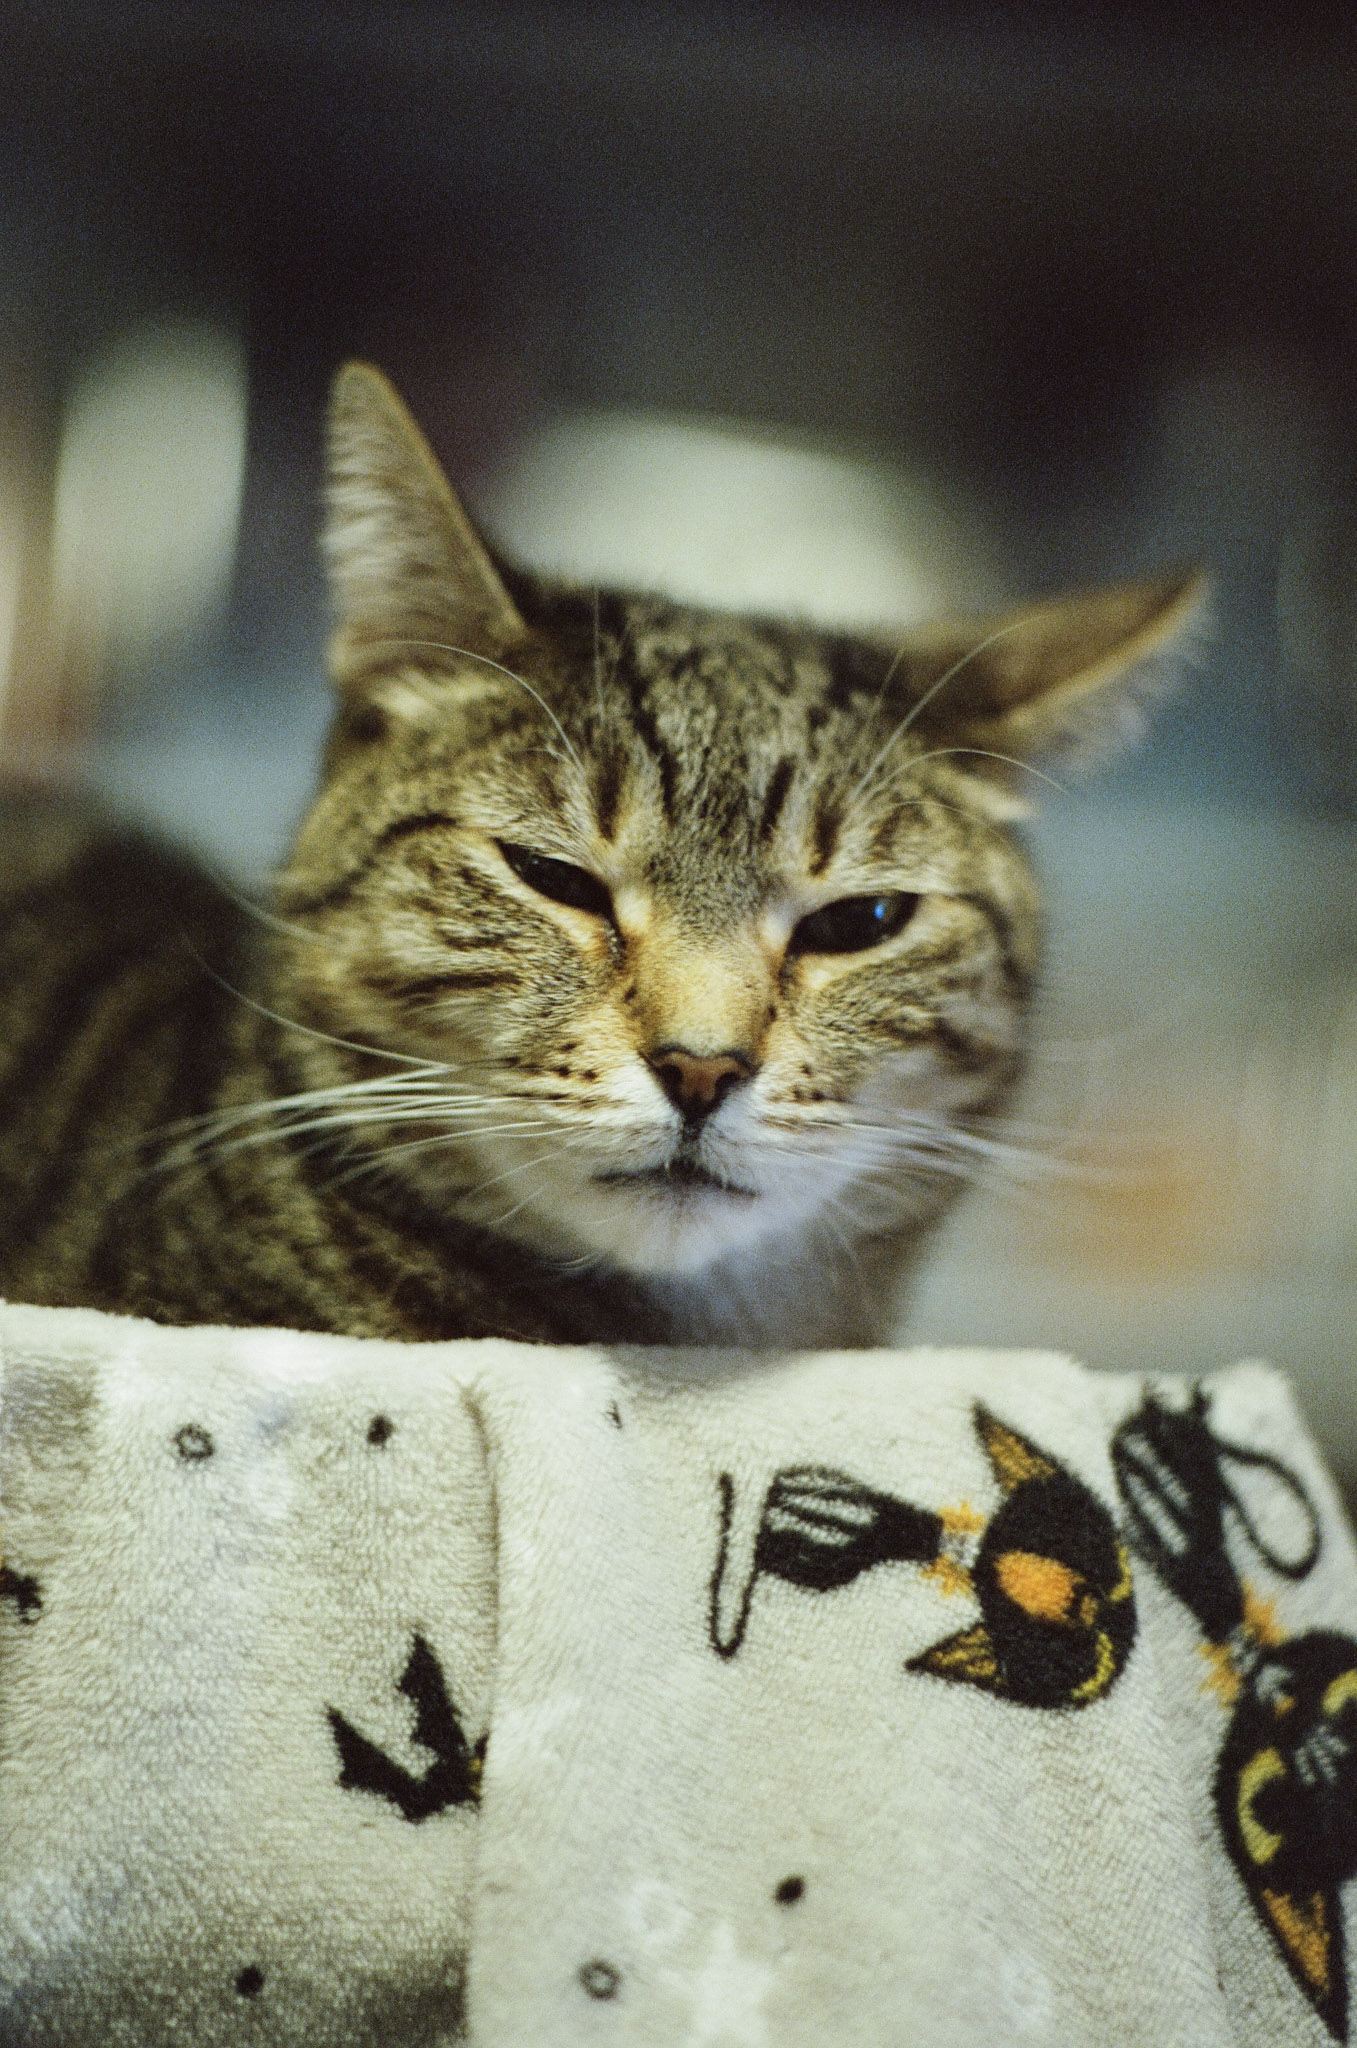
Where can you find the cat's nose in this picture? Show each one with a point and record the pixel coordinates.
(697, 1082)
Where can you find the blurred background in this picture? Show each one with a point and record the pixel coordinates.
(845, 308)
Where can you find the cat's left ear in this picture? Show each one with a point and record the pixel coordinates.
(406, 565)
(1065, 680)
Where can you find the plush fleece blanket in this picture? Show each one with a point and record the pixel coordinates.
(357, 1695)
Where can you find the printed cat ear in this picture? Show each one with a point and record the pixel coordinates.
(406, 564)
(1064, 680)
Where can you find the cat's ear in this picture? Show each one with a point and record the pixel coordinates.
(406, 564)
(1065, 680)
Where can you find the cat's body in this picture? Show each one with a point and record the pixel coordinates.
(641, 974)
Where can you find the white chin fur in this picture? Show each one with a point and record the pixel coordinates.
(656, 1231)
(649, 1230)
(659, 1230)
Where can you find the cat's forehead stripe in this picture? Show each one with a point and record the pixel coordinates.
(647, 731)
(825, 829)
(608, 791)
(775, 796)
(720, 710)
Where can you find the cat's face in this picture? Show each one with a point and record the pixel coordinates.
(704, 928)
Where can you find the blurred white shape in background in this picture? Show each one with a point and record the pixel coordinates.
(147, 496)
(732, 516)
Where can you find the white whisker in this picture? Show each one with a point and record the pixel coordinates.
(470, 654)
(922, 703)
(531, 1196)
(348, 1125)
(987, 753)
(338, 1091)
(267, 917)
(307, 1030)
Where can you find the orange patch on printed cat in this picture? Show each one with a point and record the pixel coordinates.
(1042, 1586)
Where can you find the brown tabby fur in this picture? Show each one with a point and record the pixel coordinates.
(419, 1097)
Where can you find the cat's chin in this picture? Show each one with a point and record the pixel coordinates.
(666, 1223)
(653, 1226)
(677, 1223)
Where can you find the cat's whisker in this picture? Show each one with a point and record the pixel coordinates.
(921, 704)
(1035, 1189)
(835, 1213)
(347, 1123)
(886, 681)
(287, 1118)
(943, 1149)
(378, 1160)
(952, 1165)
(447, 1138)
(216, 1144)
(310, 1030)
(268, 917)
(1014, 1127)
(283, 1110)
(1023, 1173)
(377, 1084)
(500, 1221)
(986, 753)
(470, 654)
(961, 1143)
(512, 1172)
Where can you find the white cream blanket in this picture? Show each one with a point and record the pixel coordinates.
(361, 1694)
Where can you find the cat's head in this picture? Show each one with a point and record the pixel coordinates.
(675, 931)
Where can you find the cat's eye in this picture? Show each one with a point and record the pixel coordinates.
(560, 880)
(854, 923)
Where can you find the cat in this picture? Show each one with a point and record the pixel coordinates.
(641, 973)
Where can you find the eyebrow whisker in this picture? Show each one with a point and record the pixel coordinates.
(470, 654)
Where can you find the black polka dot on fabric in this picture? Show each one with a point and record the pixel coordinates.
(250, 1982)
(379, 1429)
(193, 1443)
(790, 1890)
(600, 1979)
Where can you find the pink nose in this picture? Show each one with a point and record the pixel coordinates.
(695, 1083)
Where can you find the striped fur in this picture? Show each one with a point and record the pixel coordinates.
(418, 1096)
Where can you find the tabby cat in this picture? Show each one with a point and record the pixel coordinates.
(641, 973)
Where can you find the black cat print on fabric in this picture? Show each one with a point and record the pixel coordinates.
(1049, 1571)
(1285, 1788)
(1053, 1579)
(23, 1590)
(454, 1776)
(819, 1528)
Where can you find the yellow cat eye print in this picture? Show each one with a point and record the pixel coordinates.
(1260, 1770)
(1105, 1670)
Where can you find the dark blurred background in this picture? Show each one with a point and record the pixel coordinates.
(1053, 292)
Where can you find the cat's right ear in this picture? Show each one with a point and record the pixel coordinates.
(407, 568)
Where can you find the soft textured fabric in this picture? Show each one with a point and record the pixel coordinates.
(358, 1693)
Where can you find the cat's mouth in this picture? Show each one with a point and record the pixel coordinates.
(681, 1176)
